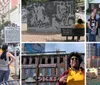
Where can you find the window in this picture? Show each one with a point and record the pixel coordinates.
(32, 71)
(42, 71)
(61, 70)
(48, 71)
(41, 84)
(54, 73)
(55, 60)
(43, 60)
(23, 84)
(49, 60)
(33, 60)
(26, 72)
(47, 83)
(61, 60)
(27, 60)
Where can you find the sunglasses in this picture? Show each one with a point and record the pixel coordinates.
(74, 58)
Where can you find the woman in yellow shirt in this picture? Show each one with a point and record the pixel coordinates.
(75, 74)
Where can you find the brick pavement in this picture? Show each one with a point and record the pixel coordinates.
(45, 37)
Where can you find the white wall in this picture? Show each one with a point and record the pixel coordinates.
(15, 16)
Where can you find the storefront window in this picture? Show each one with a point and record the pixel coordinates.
(32, 71)
(48, 71)
(61, 70)
(41, 84)
(26, 72)
(42, 71)
(47, 83)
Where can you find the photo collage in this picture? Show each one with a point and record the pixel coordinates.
(49, 42)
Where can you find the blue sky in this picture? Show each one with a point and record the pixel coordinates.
(68, 47)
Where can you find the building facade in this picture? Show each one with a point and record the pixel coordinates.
(93, 55)
(43, 69)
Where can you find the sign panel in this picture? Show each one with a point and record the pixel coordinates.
(12, 34)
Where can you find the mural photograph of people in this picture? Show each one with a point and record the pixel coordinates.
(50, 15)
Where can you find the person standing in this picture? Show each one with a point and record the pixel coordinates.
(92, 25)
(5, 63)
(74, 75)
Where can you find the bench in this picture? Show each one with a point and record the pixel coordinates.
(72, 32)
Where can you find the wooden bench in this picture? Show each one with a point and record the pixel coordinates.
(72, 32)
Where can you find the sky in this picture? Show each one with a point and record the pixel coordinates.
(68, 47)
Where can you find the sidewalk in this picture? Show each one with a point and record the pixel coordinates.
(46, 37)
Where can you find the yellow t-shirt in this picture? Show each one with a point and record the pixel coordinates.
(79, 26)
(75, 78)
(0, 50)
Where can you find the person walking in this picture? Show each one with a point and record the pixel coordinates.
(5, 63)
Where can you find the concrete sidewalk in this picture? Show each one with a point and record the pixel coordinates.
(46, 37)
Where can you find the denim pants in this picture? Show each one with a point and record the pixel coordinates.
(4, 75)
(92, 37)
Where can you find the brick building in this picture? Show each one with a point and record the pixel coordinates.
(45, 68)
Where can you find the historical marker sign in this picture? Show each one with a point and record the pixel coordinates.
(12, 34)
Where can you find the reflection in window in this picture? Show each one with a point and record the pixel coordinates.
(32, 71)
(61, 70)
(48, 71)
(26, 72)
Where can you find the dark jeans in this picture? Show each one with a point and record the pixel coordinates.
(4, 75)
(92, 37)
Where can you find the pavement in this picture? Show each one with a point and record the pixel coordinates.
(46, 37)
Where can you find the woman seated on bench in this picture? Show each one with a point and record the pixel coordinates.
(79, 25)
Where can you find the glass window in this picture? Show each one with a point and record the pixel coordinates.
(43, 60)
(32, 71)
(55, 60)
(61, 70)
(47, 83)
(48, 71)
(33, 60)
(42, 71)
(26, 72)
(49, 60)
(61, 60)
(23, 84)
(54, 73)
(31, 84)
(27, 60)
(41, 84)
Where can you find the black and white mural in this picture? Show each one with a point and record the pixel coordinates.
(50, 15)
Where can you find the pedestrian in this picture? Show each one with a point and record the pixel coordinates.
(99, 25)
(5, 63)
(92, 25)
(79, 25)
(74, 75)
